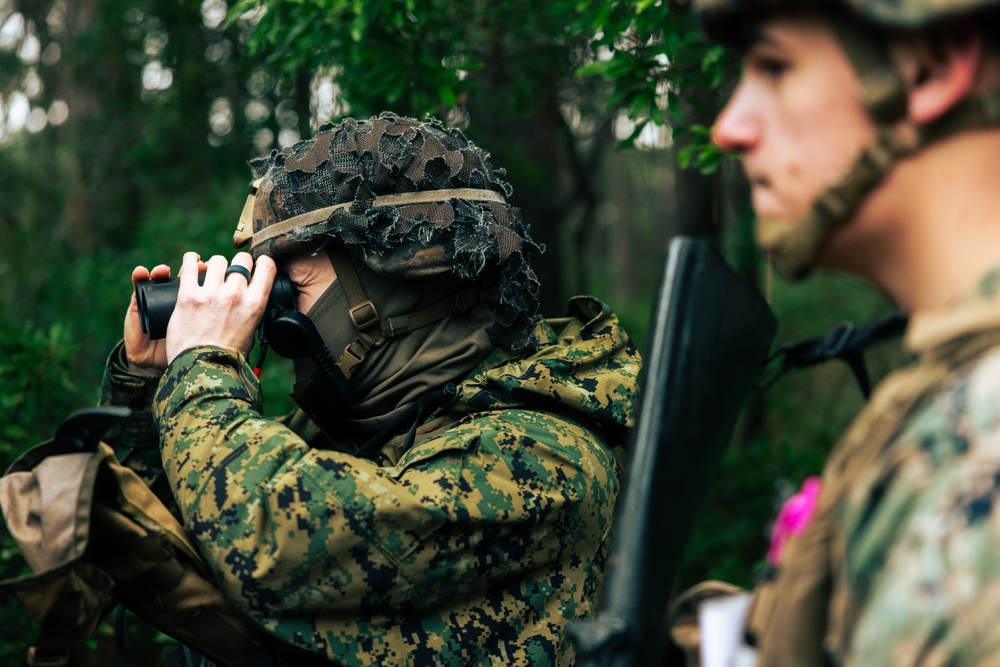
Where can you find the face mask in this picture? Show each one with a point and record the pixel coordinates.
(321, 389)
(395, 372)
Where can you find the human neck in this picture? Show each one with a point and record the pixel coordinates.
(944, 235)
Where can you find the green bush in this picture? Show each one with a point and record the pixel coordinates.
(36, 392)
(36, 382)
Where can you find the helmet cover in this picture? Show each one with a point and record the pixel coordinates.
(359, 164)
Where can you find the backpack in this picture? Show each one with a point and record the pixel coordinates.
(95, 536)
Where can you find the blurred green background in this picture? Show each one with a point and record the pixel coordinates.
(125, 128)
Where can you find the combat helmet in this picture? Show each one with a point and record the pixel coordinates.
(409, 199)
(859, 26)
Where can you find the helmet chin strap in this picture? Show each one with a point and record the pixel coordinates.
(794, 246)
(374, 330)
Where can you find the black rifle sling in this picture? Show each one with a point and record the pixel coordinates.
(845, 342)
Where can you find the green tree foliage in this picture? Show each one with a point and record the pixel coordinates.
(35, 381)
(435, 57)
(662, 71)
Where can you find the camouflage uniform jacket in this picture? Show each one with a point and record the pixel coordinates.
(900, 565)
(475, 547)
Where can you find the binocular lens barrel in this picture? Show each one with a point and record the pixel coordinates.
(156, 300)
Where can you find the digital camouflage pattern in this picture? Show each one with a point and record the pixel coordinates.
(899, 566)
(474, 547)
(922, 523)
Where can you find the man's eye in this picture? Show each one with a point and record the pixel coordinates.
(771, 67)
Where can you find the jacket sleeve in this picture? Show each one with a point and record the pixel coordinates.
(136, 441)
(293, 529)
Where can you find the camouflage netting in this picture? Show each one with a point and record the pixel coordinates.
(357, 161)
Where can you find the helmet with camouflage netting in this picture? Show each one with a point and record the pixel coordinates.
(411, 200)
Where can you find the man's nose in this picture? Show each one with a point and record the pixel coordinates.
(736, 130)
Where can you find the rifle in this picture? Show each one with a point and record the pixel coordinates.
(711, 334)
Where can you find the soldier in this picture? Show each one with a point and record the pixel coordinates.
(445, 495)
(868, 130)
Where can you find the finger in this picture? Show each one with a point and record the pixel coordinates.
(215, 273)
(241, 271)
(160, 271)
(263, 278)
(189, 271)
(243, 259)
(138, 273)
(242, 266)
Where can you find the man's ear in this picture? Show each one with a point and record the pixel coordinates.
(938, 74)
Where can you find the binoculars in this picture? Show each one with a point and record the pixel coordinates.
(157, 298)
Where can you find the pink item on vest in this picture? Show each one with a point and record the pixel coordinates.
(793, 518)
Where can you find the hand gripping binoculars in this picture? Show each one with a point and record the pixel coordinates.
(323, 397)
(157, 298)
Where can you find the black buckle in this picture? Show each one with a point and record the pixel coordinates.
(808, 353)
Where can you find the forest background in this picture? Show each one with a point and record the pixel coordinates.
(126, 126)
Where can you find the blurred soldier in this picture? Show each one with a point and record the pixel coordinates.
(445, 495)
(868, 130)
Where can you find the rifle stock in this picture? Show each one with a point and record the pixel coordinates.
(711, 335)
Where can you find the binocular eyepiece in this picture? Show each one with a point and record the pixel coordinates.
(157, 298)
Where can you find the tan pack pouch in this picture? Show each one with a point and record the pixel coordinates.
(94, 536)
